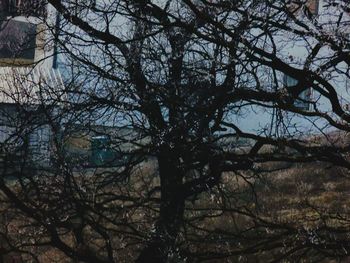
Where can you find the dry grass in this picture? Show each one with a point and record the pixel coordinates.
(303, 195)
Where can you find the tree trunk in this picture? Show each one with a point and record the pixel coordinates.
(161, 246)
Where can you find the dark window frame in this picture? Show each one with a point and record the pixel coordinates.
(303, 101)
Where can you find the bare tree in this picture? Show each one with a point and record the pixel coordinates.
(193, 107)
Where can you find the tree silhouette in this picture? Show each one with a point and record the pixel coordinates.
(176, 87)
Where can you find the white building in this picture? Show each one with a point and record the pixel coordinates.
(27, 71)
(332, 21)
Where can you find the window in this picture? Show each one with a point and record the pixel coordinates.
(17, 41)
(21, 38)
(39, 143)
(101, 152)
(35, 8)
(303, 100)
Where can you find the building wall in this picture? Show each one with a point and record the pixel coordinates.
(295, 51)
(25, 75)
(27, 136)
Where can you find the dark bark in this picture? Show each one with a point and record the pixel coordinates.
(162, 244)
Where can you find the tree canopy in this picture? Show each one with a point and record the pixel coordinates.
(196, 108)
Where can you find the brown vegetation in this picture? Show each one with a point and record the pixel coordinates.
(306, 197)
